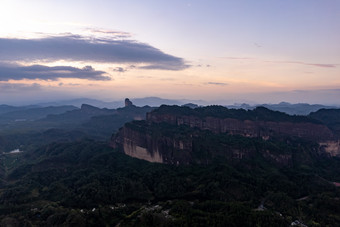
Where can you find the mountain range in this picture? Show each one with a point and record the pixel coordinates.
(292, 109)
(168, 166)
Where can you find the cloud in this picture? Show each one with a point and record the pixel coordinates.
(168, 79)
(18, 72)
(306, 63)
(18, 88)
(323, 65)
(165, 66)
(200, 65)
(68, 84)
(120, 69)
(238, 58)
(331, 90)
(257, 45)
(88, 49)
(114, 33)
(217, 83)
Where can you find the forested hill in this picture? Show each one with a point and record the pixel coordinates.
(260, 122)
(330, 117)
(258, 114)
(86, 183)
(60, 177)
(37, 126)
(181, 135)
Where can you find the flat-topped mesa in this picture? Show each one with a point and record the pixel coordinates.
(181, 135)
(260, 122)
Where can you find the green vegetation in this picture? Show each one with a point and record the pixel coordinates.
(329, 117)
(63, 178)
(31, 114)
(203, 146)
(88, 182)
(258, 114)
(88, 122)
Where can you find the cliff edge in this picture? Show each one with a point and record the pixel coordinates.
(181, 135)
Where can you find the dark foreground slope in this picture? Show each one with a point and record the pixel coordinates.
(86, 183)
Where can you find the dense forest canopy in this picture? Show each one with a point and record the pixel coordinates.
(258, 114)
(69, 176)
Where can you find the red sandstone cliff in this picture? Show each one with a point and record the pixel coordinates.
(264, 129)
(141, 142)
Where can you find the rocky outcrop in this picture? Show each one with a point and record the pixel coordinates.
(146, 141)
(150, 147)
(248, 128)
(128, 102)
(331, 147)
(181, 138)
(134, 144)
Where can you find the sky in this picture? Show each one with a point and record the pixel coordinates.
(222, 51)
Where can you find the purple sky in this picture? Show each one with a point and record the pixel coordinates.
(232, 50)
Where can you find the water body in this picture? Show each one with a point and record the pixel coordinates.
(15, 151)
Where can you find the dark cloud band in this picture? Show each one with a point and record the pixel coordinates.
(17, 72)
(80, 48)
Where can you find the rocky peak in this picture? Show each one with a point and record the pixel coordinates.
(128, 102)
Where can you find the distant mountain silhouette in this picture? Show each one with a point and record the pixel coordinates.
(147, 101)
(7, 108)
(292, 109)
(285, 107)
(80, 101)
(29, 114)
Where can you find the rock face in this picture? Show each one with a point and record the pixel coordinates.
(128, 102)
(158, 139)
(136, 145)
(331, 147)
(145, 145)
(248, 128)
